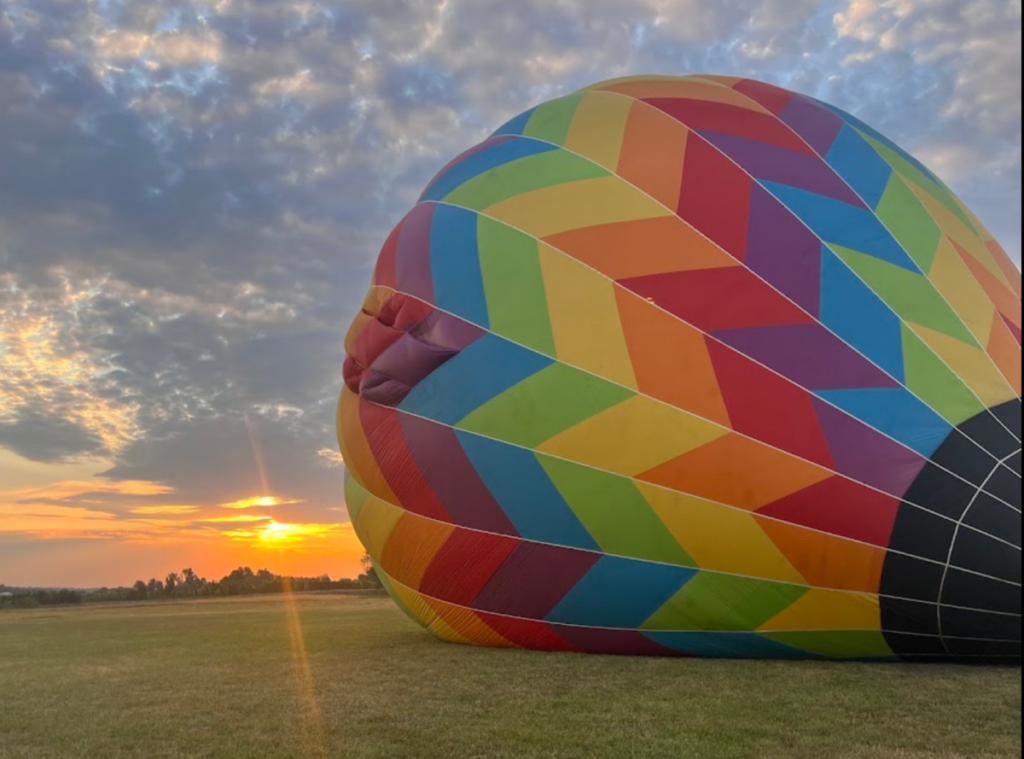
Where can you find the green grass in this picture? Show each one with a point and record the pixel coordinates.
(226, 680)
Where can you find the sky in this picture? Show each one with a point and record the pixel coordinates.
(193, 194)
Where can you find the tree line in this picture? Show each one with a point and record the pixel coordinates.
(187, 584)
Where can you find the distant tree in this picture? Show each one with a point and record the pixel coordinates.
(369, 577)
(241, 582)
(191, 582)
(171, 583)
(58, 597)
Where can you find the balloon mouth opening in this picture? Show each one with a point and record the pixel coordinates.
(951, 583)
(401, 342)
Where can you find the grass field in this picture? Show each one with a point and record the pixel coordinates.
(350, 678)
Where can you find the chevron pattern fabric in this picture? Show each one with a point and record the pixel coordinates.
(692, 367)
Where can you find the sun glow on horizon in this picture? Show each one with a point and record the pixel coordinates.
(267, 532)
(279, 532)
(259, 502)
(113, 532)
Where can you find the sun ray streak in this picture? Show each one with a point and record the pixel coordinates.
(313, 739)
(257, 453)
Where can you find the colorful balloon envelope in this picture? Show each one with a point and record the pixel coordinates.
(693, 367)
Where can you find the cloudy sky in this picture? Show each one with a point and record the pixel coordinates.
(193, 193)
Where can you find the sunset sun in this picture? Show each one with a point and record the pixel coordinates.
(269, 533)
(279, 532)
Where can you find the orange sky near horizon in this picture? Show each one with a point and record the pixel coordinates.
(61, 526)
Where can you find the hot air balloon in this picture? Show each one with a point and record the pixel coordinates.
(692, 367)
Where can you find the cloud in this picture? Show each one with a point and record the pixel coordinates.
(168, 510)
(330, 458)
(55, 402)
(242, 519)
(84, 489)
(976, 44)
(55, 511)
(47, 438)
(49, 522)
(171, 48)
